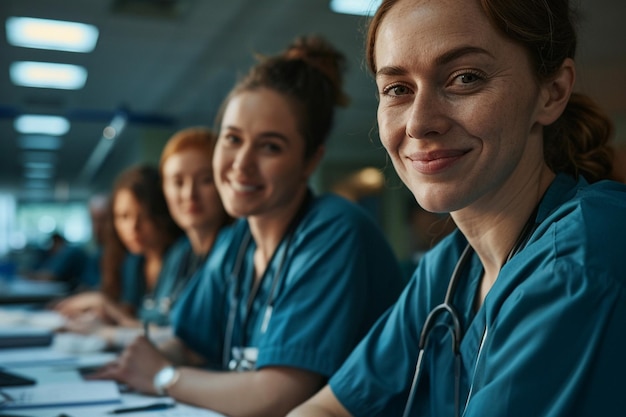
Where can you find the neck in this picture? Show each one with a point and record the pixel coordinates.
(493, 233)
(268, 230)
(202, 239)
(153, 260)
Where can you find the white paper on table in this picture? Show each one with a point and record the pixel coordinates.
(40, 319)
(61, 394)
(35, 357)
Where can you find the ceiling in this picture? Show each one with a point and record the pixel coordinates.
(167, 64)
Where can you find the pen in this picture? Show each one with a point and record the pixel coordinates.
(150, 407)
(146, 329)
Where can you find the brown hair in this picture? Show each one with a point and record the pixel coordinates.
(309, 73)
(197, 138)
(144, 183)
(577, 142)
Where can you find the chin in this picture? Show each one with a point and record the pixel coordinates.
(429, 201)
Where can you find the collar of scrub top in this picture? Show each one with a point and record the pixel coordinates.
(237, 279)
(447, 309)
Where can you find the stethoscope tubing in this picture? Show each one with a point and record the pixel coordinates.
(236, 278)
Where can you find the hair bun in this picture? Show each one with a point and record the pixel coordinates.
(321, 55)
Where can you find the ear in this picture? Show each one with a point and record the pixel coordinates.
(312, 163)
(555, 93)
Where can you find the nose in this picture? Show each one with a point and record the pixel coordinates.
(190, 188)
(136, 223)
(428, 116)
(244, 158)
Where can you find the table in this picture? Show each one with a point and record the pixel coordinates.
(19, 290)
(49, 365)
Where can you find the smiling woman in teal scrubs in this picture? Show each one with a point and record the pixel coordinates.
(284, 300)
(478, 114)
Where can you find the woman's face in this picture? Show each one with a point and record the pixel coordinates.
(133, 224)
(190, 192)
(458, 109)
(259, 158)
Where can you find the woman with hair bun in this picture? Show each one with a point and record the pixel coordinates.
(521, 311)
(303, 278)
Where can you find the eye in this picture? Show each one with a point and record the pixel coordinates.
(206, 179)
(396, 90)
(467, 78)
(271, 147)
(231, 139)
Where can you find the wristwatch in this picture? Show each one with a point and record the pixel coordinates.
(165, 378)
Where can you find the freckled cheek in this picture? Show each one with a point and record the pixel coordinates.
(391, 129)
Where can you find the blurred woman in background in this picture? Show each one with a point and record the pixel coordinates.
(142, 231)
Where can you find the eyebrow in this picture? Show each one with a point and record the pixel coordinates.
(263, 135)
(443, 59)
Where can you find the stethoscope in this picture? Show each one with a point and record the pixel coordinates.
(455, 326)
(244, 358)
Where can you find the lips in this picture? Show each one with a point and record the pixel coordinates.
(434, 162)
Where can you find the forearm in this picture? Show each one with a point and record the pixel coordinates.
(268, 392)
(323, 404)
(179, 354)
(120, 314)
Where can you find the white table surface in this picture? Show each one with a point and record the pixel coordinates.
(49, 366)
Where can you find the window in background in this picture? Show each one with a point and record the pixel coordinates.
(36, 221)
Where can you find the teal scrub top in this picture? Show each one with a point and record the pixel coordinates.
(133, 280)
(337, 276)
(66, 265)
(91, 275)
(549, 339)
(179, 265)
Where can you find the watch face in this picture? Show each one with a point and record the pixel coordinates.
(164, 376)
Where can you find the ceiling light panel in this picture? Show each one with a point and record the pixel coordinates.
(41, 125)
(356, 7)
(48, 75)
(51, 34)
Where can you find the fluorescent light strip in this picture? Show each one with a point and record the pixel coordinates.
(41, 125)
(51, 34)
(38, 174)
(48, 75)
(38, 165)
(39, 142)
(356, 7)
